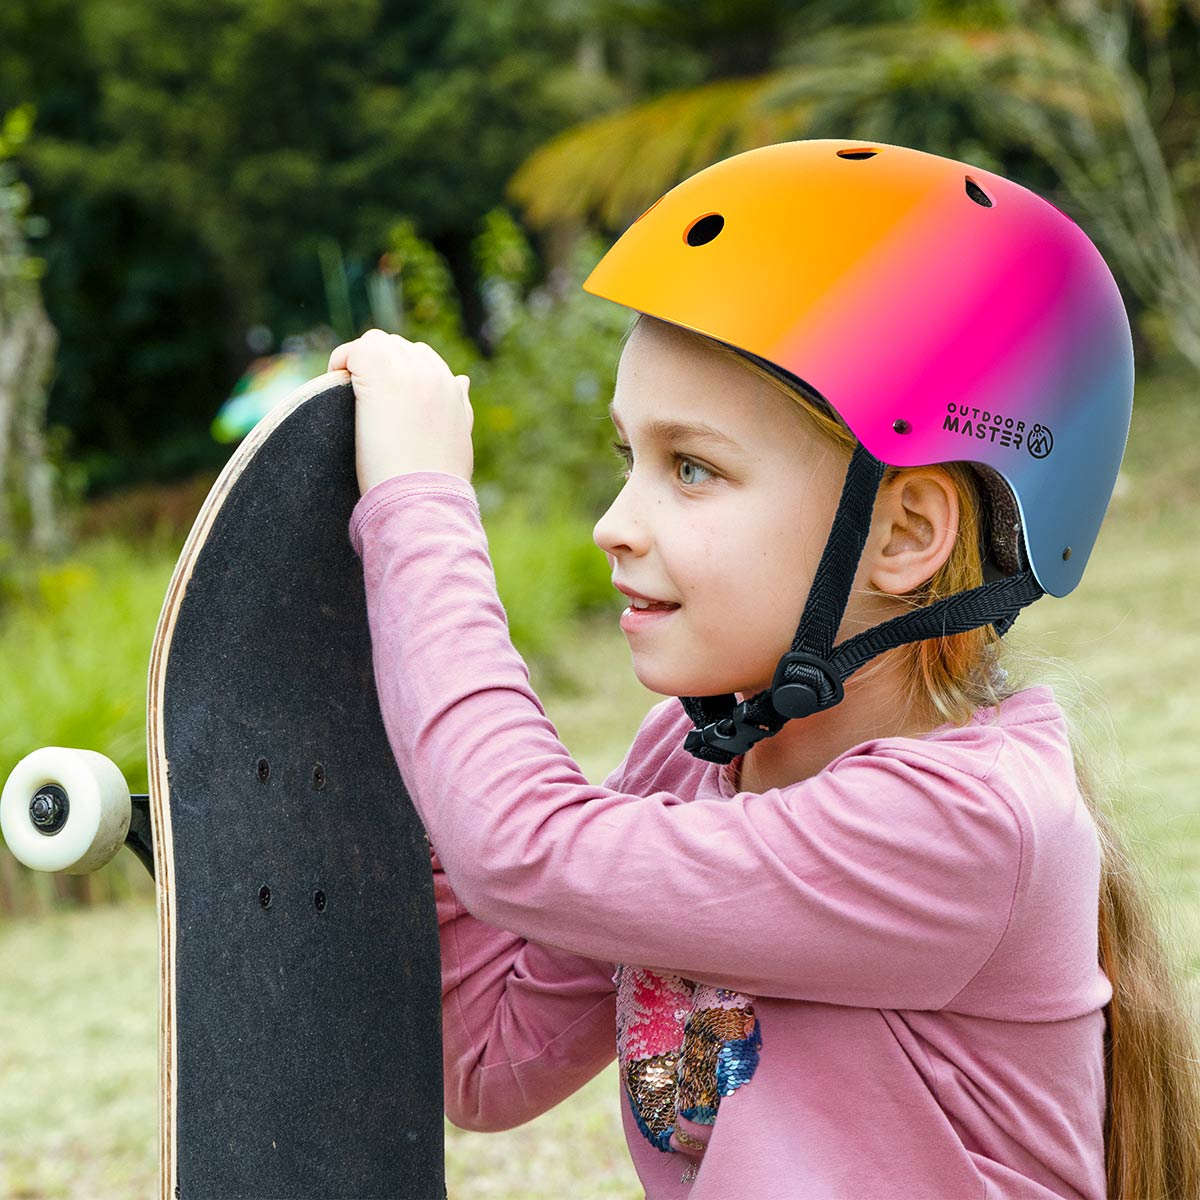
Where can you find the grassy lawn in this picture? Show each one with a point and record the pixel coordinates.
(77, 998)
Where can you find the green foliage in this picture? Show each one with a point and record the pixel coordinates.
(427, 302)
(541, 426)
(548, 573)
(10, 587)
(193, 157)
(77, 639)
(17, 224)
(505, 262)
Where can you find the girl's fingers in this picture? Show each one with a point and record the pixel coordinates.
(340, 357)
(465, 380)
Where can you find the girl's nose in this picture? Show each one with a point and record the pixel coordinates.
(618, 531)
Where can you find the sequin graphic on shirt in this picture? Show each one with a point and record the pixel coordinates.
(681, 1046)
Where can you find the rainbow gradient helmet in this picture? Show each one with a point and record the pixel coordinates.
(946, 314)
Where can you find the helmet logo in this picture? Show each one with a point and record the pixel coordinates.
(1041, 441)
(995, 428)
(983, 425)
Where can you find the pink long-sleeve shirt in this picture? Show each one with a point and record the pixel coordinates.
(917, 923)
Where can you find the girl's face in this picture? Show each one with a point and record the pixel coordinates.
(730, 524)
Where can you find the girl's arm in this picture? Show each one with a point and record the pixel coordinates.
(523, 1025)
(887, 880)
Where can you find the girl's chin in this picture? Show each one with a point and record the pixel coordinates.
(654, 672)
(667, 684)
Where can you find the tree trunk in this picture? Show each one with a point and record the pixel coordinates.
(29, 517)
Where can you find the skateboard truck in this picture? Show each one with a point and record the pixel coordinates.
(71, 810)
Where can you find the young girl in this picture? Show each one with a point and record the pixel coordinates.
(843, 904)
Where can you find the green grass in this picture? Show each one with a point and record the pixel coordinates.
(78, 1013)
(79, 1055)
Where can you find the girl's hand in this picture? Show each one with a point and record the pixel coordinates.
(411, 413)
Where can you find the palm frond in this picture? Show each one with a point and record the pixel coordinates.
(612, 168)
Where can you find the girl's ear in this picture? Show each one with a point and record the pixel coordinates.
(913, 527)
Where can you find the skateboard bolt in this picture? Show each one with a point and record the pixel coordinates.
(319, 901)
(48, 809)
(318, 777)
(264, 770)
(264, 896)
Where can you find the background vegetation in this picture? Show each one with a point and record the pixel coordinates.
(187, 188)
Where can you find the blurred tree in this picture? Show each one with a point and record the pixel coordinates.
(29, 513)
(1093, 103)
(194, 156)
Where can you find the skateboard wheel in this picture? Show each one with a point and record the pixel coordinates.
(82, 815)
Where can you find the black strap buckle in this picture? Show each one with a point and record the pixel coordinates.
(794, 697)
(734, 734)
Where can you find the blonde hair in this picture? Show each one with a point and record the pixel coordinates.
(1152, 1068)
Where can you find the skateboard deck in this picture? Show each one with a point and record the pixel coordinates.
(300, 987)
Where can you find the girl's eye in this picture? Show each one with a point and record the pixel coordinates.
(625, 453)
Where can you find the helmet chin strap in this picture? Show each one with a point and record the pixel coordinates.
(810, 676)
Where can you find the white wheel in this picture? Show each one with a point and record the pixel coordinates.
(65, 810)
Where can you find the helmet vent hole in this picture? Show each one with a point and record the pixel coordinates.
(857, 153)
(977, 193)
(705, 229)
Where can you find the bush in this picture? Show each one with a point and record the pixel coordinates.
(548, 572)
(541, 421)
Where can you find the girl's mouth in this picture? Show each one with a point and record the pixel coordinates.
(633, 619)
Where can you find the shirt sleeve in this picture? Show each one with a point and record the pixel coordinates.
(523, 1025)
(886, 880)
